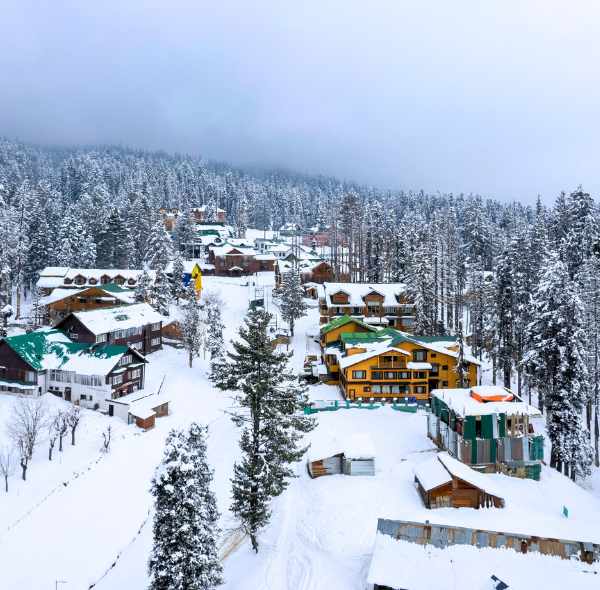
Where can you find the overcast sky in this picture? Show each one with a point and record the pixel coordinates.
(496, 97)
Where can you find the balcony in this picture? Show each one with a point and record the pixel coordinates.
(391, 365)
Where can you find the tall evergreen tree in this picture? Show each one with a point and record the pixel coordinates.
(190, 324)
(293, 303)
(177, 277)
(270, 404)
(184, 554)
(159, 246)
(143, 289)
(161, 294)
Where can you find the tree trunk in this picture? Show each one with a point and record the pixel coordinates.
(254, 542)
(6, 481)
(494, 369)
(596, 427)
(73, 435)
(552, 459)
(24, 466)
(191, 359)
(60, 443)
(50, 452)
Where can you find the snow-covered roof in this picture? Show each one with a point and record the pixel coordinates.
(224, 249)
(354, 446)
(52, 276)
(397, 563)
(375, 321)
(432, 474)
(463, 404)
(464, 472)
(266, 256)
(418, 366)
(62, 293)
(109, 319)
(55, 271)
(371, 351)
(357, 291)
(203, 209)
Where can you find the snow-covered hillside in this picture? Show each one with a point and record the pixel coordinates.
(84, 517)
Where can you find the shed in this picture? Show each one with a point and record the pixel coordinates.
(347, 455)
(444, 482)
(141, 408)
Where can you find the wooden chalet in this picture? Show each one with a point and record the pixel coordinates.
(487, 428)
(137, 325)
(316, 236)
(444, 482)
(377, 304)
(89, 374)
(238, 259)
(367, 362)
(62, 301)
(141, 408)
(53, 277)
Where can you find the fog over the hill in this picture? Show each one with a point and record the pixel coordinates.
(496, 97)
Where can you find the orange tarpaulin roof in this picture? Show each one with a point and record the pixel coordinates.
(495, 397)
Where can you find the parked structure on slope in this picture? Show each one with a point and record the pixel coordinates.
(376, 304)
(136, 325)
(53, 277)
(62, 301)
(444, 482)
(367, 362)
(487, 428)
(89, 374)
(347, 455)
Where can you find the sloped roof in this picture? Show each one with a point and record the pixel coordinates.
(53, 350)
(109, 319)
(432, 474)
(357, 291)
(464, 472)
(342, 321)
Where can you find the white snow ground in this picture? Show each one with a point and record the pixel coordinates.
(84, 517)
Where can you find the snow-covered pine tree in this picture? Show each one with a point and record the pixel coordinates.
(460, 366)
(190, 324)
(6, 309)
(161, 294)
(185, 234)
(177, 276)
(184, 554)
(214, 305)
(556, 358)
(143, 289)
(476, 295)
(293, 304)
(160, 246)
(241, 222)
(270, 403)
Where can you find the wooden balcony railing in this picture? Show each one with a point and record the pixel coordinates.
(391, 365)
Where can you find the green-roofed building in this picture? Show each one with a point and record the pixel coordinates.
(90, 374)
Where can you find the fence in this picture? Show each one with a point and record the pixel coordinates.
(442, 536)
(334, 405)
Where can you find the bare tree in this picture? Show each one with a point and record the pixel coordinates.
(62, 426)
(106, 438)
(73, 417)
(27, 422)
(8, 463)
(214, 298)
(53, 425)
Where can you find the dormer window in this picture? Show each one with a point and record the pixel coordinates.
(119, 280)
(131, 281)
(68, 281)
(93, 281)
(79, 280)
(104, 280)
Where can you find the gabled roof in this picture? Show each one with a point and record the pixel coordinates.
(372, 351)
(53, 350)
(342, 321)
(109, 319)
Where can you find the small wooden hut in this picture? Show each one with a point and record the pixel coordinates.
(444, 482)
(345, 455)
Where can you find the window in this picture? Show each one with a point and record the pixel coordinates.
(105, 280)
(155, 341)
(84, 397)
(120, 334)
(390, 375)
(245, 263)
(406, 322)
(366, 388)
(435, 370)
(404, 375)
(224, 263)
(101, 337)
(93, 281)
(125, 360)
(79, 280)
(115, 379)
(376, 388)
(385, 389)
(119, 280)
(444, 383)
(420, 356)
(376, 374)
(420, 389)
(156, 326)
(373, 307)
(359, 374)
(444, 367)
(74, 336)
(136, 374)
(433, 355)
(420, 374)
(137, 345)
(30, 377)
(62, 376)
(90, 381)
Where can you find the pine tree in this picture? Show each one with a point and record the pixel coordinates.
(293, 303)
(143, 288)
(159, 246)
(161, 294)
(215, 344)
(190, 324)
(185, 528)
(270, 403)
(556, 359)
(185, 235)
(177, 277)
(241, 223)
